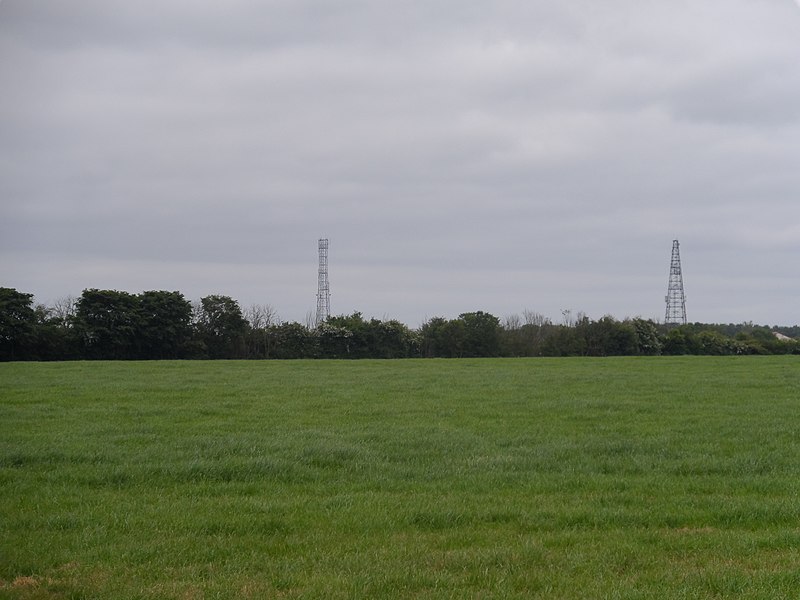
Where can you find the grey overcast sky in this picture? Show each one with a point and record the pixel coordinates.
(459, 155)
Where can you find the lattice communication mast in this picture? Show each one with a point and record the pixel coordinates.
(323, 287)
(676, 300)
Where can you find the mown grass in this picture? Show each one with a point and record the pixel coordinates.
(548, 478)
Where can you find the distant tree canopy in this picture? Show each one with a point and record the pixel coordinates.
(108, 324)
(221, 328)
(117, 325)
(114, 325)
(17, 324)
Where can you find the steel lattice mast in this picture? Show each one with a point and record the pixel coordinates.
(676, 300)
(323, 287)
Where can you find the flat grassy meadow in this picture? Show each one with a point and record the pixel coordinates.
(664, 477)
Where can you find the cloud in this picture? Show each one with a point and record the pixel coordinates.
(463, 156)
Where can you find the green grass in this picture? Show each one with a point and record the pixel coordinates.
(563, 478)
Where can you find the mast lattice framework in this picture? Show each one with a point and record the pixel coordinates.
(323, 287)
(676, 299)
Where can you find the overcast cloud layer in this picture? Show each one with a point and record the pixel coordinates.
(497, 156)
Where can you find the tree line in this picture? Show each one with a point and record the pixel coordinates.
(152, 325)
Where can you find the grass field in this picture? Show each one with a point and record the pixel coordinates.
(543, 478)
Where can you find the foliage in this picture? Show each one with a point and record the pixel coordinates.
(564, 340)
(165, 326)
(481, 334)
(260, 317)
(120, 325)
(17, 324)
(108, 324)
(392, 339)
(442, 338)
(607, 337)
(647, 341)
(338, 341)
(293, 340)
(55, 337)
(221, 327)
(352, 336)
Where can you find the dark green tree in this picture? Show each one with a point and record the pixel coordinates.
(717, 344)
(563, 340)
(762, 340)
(390, 339)
(293, 340)
(17, 324)
(676, 342)
(345, 336)
(53, 339)
(164, 325)
(442, 338)
(107, 323)
(524, 336)
(336, 341)
(221, 327)
(481, 334)
(429, 334)
(647, 338)
(607, 337)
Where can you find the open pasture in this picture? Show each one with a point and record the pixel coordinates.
(530, 478)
